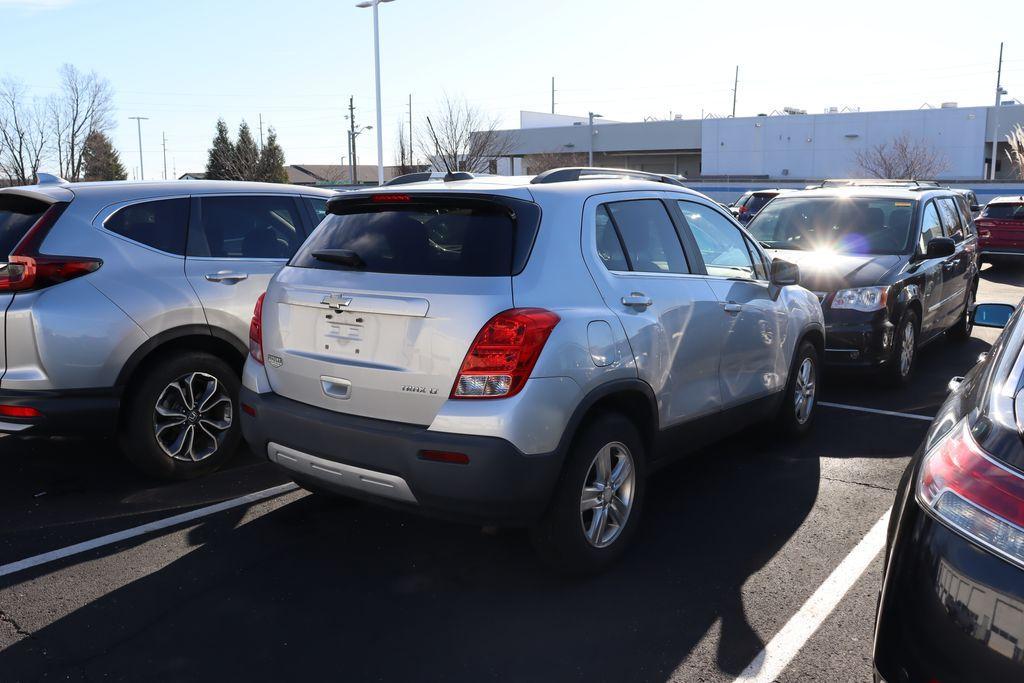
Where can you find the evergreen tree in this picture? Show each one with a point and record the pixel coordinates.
(100, 161)
(220, 164)
(247, 154)
(271, 166)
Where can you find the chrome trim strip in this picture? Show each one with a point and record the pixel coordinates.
(340, 475)
(955, 295)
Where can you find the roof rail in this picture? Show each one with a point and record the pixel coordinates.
(424, 176)
(565, 175)
(875, 182)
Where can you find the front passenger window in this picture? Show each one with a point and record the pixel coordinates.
(950, 219)
(721, 243)
(931, 227)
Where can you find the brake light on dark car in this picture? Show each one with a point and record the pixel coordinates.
(504, 353)
(27, 270)
(256, 331)
(973, 493)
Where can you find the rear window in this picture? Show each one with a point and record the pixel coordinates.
(1004, 211)
(17, 215)
(757, 202)
(470, 238)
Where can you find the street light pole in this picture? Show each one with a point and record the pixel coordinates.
(376, 69)
(590, 157)
(138, 121)
(995, 123)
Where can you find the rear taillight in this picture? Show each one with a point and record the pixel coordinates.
(27, 269)
(256, 331)
(971, 492)
(503, 354)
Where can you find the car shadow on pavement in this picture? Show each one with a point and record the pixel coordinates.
(322, 588)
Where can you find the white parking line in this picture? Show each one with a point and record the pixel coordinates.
(119, 536)
(876, 411)
(781, 649)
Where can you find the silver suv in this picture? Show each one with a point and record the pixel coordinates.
(125, 307)
(521, 351)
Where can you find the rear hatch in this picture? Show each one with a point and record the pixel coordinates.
(375, 313)
(18, 213)
(1002, 225)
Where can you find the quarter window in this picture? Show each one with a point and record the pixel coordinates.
(644, 227)
(159, 224)
(931, 227)
(246, 227)
(725, 250)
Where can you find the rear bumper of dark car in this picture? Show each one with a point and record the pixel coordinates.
(73, 412)
(384, 462)
(950, 610)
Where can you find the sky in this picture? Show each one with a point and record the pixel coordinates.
(184, 63)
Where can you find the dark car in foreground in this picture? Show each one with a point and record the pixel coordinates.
(1001, 228)
(894, 267)
(952, 601)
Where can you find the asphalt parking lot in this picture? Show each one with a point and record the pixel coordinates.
(734, 543)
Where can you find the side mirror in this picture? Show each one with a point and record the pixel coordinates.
(992, 315)
(785, 273)
(734, 211)
(975, 208)
(940, 247)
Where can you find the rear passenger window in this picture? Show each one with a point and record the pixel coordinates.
(158, 224)
(950, 218)
(652, 245)
(725, 250)
(246, 227)
(609, 248)
(931, 227)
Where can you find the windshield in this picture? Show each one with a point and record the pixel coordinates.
(1004, 211)
(846, 225)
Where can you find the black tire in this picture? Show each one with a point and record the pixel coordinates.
(896, 372)
(965, 324)
(560, 538)
(138, 433)
(794, 419)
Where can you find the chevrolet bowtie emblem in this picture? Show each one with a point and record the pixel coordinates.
(337, 301)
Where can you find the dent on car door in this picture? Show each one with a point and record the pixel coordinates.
(236, 243)
(755, 361)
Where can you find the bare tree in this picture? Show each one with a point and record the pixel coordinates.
(84, 104)
(403, 155)
(1015, 153)
(901, 158)
(538, 163)
(463, 138)
(22, 133)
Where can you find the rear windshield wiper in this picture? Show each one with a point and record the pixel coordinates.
(343, 257)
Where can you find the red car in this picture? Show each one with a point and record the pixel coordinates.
(1001, 227)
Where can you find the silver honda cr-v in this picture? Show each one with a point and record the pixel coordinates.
(521, 351)
(125, 307)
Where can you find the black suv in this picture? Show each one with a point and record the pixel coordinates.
(894, 266)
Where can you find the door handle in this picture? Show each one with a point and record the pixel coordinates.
(732, 307)
(225, 276)
(637, 300)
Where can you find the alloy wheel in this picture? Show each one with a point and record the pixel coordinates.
(906, 350)
(192, 417)
(804, 391)
(608, 494)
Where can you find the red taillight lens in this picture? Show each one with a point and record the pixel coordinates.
(27, 269)
(503, 354)
(972, 493)
(256, 331)
(19, 411)
(445, 456)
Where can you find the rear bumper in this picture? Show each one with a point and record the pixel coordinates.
(75, 412)
(382, 461)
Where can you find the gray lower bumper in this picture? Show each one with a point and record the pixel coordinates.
(339, 475)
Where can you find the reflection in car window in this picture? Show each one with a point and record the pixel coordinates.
(246, 227)
(950, 218)
(649, 235)
(319, 205)
(723, 247)
(931, 226)
(609, 248)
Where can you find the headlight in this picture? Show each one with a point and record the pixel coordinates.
(862, 298)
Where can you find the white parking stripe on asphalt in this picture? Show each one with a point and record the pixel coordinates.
(159, 524)
(875, 411)
(781, 649)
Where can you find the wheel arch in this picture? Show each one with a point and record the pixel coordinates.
(633, 398)
(185, 338)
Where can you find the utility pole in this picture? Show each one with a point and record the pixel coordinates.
(735, 87)
(552, 94)
(138, 121)
(995, 122)
(164, 134)
(261, 132)
(352, 137)
(590, 155)
(411, 162)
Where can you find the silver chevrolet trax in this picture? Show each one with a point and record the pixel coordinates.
(125, 308)
(524, 351)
